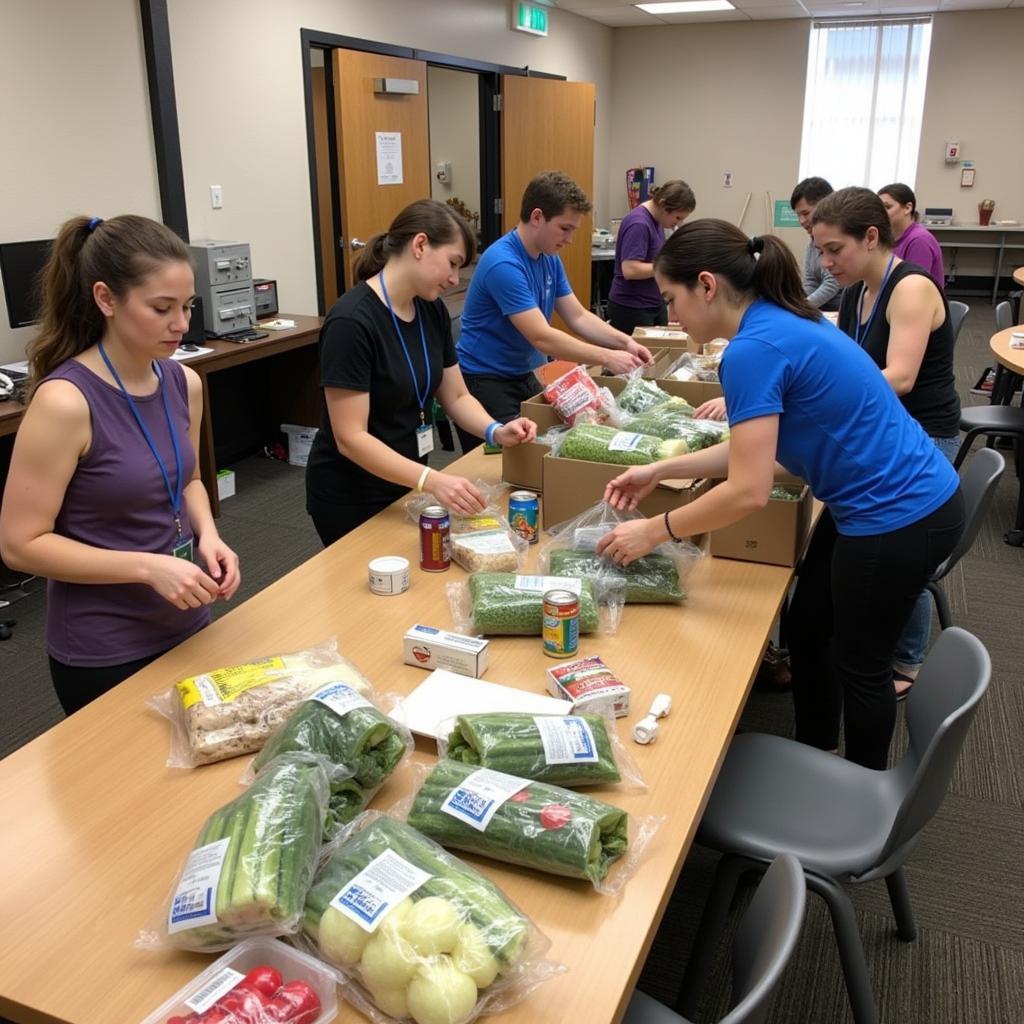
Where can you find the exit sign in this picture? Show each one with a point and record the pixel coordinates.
(529, 18)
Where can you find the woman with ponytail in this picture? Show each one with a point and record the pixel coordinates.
(103, 496)
(800, 394)
(386, 351)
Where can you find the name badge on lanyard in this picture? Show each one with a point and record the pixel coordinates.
(425, 431)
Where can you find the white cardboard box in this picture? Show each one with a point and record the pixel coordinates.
(225, 483)
(430, 648)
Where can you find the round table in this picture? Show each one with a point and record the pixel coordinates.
(1018, 275)
(1011, 358)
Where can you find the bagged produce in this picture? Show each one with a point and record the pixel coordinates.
(691, 367)
(344, 726)
(511, 819)
(640, 394)
(252, 862)
(499, 550)
(582, 749)
(414, 932)
(578, 399)
(492, 516)
(233, 710)
(592, 443)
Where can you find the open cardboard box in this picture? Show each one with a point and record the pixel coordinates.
(671, 337)
(775, 534)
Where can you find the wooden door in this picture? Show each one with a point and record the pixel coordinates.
(368, 207)
(548, 125)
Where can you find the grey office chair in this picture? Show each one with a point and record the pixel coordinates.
(844, 823)
(957, 314)
(978, 482)
(764, 942)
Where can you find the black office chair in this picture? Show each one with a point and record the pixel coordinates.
(978, 482)
(764, 942)
(843, 822)
(957, 314)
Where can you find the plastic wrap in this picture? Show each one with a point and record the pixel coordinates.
(346, 728)
(231, 711)
(656, 578)
(252, 862)
(577, 398)
(691, 367)
(592, 443)
(532, 824)
(582, 749)
(412, 931)
(640, 394)
(492, 516)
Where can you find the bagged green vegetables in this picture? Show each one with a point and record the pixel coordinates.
(414, 932)
(565, 750)
(344, 726)
(592, 443)
(252, 862)
(521, 822)
(639, 394)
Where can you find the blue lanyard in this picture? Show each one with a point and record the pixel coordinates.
(874, 308)
(175, 494)
(421, 398)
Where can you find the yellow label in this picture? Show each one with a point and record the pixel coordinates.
(227, 684)
(473, 523)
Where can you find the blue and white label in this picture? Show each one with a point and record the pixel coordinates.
(624, 441)
(195, 899)
(567, 740)
(379, 888)
(542, 584)
(477, 800)
(340, 698)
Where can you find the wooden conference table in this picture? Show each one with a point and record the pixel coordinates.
(96, 827)
(1011, 358)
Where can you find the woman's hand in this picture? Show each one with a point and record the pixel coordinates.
(221, 563)
(636, 349)
(518, 431)
(179, 581)
(629, 541)
(455, 493)
(619, 361)
(628, 489)
(712, 409)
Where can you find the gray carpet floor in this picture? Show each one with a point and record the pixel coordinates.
(967, 964)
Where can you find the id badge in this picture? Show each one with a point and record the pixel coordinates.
(424, 440)
(183, 549)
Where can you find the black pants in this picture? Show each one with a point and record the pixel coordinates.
(625, 318)
(332, 521)
(78, 685)
(852, 600)
(500, 396)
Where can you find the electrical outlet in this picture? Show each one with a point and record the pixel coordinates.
(216, 197)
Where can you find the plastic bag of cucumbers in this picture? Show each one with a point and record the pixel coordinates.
(413, 932)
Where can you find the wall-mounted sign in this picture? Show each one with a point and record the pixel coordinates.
(785, 215)
(529, 18)
(389, 158)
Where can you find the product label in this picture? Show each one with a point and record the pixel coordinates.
(378, 888)
(623, 441)
(585, 677)
(574, 399)
(477, 800)
(227, 684)
(219, 985)
(474, 524)
(568, 740)
(195, 900)
(340, 698)
(486, 543)
(542, 584)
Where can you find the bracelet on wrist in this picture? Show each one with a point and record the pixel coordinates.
(491, 431)
(422, 480)
(672, 536)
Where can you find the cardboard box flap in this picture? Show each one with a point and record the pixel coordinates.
(677, 485)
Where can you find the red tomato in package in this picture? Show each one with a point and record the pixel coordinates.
(575, 395)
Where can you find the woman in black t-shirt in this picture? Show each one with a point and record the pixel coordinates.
(386, 351)
(893, 309)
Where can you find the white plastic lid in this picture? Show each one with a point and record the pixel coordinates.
(389, 563)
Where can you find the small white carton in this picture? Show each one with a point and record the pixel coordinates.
(430, 648)
(591, 686)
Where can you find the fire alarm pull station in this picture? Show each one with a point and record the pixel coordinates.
(952, 151)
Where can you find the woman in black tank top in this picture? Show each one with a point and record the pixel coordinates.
(893, 309)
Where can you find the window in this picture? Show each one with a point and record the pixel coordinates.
(863, 102)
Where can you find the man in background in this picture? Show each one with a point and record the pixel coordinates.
(820, 286)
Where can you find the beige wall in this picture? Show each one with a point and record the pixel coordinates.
(74, 120)
(454, 104)
(240, 106)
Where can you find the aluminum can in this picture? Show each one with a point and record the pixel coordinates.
(435, 539)
(561, 628)
(524, 515)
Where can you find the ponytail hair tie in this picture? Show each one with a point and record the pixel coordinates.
(755, 245)
(94, 223)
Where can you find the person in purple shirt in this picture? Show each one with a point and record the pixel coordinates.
(914, 243)
(634, 299)
(103, 496)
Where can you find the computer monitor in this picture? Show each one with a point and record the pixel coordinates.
(20, 266)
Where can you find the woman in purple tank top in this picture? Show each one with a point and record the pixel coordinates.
(103, 496)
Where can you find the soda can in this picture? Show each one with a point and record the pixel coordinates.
(435, 539)
(524, 515)
(561, 628)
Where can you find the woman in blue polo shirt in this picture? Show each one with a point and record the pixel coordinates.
(799, 393)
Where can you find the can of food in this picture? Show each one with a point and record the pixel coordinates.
(435, 539)
(389, 575)
(524, 514)
(561, 624)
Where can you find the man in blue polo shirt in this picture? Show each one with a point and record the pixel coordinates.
(516, 287)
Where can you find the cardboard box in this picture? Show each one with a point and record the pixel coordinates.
(430, 648)
(225, 483)
(590, 685)
(667, 337)
(774, 535)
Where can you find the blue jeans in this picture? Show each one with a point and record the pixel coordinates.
(912, 645)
